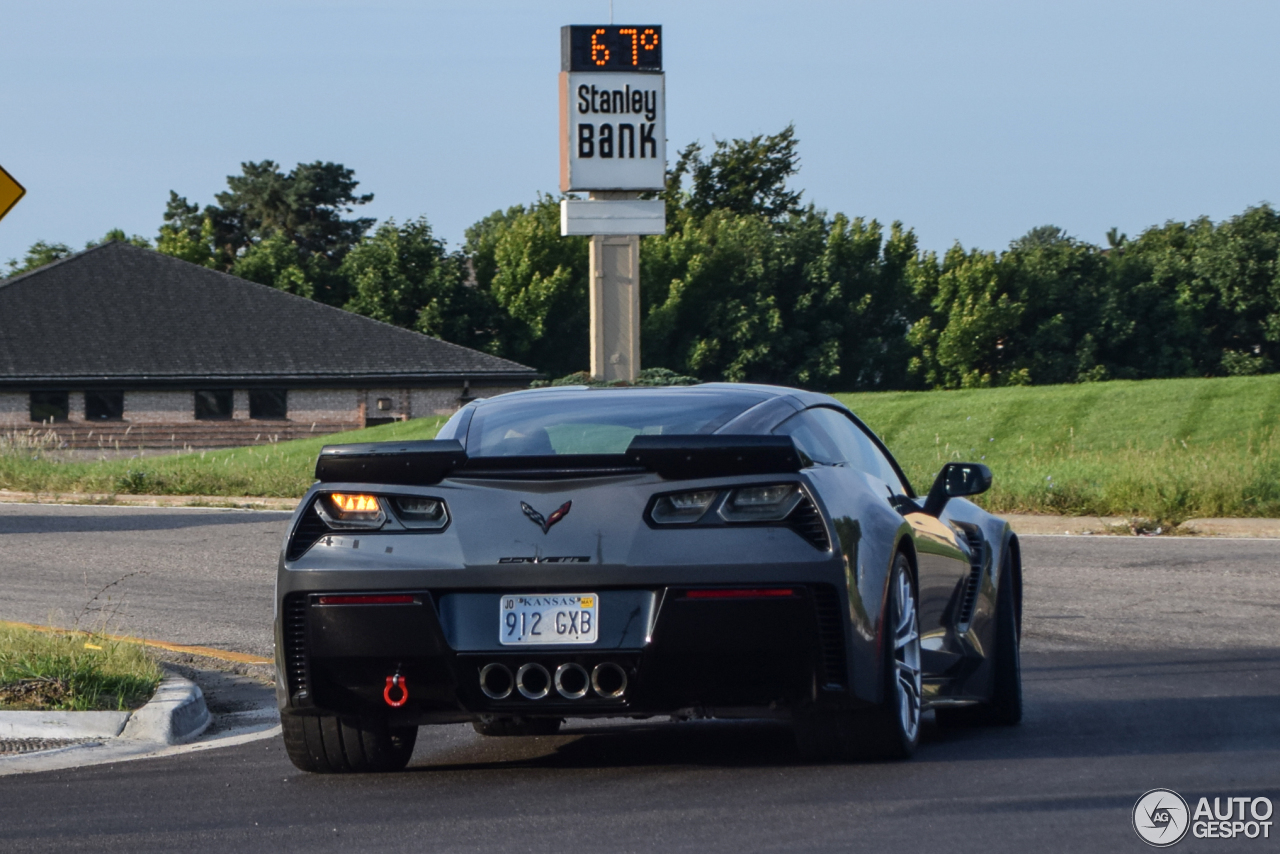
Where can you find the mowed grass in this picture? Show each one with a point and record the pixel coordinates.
(1165, 450)
(72, 672)
(281, 470)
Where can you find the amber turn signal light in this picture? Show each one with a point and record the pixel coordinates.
(347, 510)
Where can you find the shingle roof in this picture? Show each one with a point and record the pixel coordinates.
(119, 313)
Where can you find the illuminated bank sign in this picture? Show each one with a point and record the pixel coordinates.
(613, 117)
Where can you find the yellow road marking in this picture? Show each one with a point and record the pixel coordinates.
(207, 652)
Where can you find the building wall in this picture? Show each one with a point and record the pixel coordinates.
(164, 418)
(324, 405)
(75, 406)
(486, 392)
(15, 408)
(159, 407)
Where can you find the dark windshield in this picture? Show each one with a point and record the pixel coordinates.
(596, 422)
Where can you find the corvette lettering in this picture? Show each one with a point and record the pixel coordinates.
(557, 559)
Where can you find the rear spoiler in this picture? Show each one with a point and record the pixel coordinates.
(685, 457)
(671, 457)
(403, 463)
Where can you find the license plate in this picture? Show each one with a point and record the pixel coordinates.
(528, 619)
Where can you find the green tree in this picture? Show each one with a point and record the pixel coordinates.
(1062, 285)
(539, 281)
(188, 233)
(304, 209)
(276, 261)
(965, 341)
(39, 254)
(118, 235)
(403, 275)
(742, 176)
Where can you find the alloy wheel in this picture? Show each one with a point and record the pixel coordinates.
(906, 655)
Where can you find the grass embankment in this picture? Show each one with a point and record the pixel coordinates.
(281, 470)
(1165, 450)
(72, 672)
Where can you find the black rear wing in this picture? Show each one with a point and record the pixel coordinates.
(685, 457)
(671, 457)
(401, 463)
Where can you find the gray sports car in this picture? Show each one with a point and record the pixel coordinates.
(714, 550)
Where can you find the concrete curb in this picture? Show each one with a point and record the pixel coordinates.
(206, 502)
(175, 714)
(1027, 523)
(62, 725)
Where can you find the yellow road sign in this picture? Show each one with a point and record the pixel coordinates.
(10, 192)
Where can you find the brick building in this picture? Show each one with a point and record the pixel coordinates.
(119, 344)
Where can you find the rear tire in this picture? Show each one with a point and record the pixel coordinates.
(1004, 708)
(890, 730)
(517, 726)
(328, 744)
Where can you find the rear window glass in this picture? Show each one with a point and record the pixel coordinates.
(588, 422)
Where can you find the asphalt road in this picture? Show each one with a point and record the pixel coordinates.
(1149, 663)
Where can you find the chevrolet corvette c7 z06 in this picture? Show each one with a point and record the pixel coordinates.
(716, 550)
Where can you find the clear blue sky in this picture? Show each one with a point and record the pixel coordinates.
(969, 121)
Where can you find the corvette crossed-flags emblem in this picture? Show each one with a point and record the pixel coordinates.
(542, 522)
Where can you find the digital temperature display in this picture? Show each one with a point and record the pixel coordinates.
(610, 48)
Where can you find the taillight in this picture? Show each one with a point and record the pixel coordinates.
(341, 510)
(683, 507)
(761, 503)
(421, 513)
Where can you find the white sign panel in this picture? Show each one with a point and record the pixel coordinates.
(613, 216)
(613, 131)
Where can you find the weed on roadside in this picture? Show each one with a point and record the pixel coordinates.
(59, 671)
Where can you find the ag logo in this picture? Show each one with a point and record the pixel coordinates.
(1160, 817)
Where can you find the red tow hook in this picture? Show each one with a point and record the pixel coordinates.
(396, 683)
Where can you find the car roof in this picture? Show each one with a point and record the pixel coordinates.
(749, 395)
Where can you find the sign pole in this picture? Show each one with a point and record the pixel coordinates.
(613, 145)
(615, 302)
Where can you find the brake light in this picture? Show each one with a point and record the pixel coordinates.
(754, 593)
(375, 599)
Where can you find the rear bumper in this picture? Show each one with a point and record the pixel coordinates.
(677, 653)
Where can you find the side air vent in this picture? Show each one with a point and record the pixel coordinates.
(806, 521)
(294, 629)
(310, 528)
(977, 554)
(826, 604)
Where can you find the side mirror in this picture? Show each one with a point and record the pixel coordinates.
(956, 479)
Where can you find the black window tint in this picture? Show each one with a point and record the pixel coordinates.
(213, 404)
(49, 406)
(811, 437)
(103, 405)
(268, 403)
(581, 422)
(856, 447)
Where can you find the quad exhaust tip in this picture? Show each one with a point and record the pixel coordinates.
(609, 680)
(571, 681)
(533, 681)
(496, 681)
